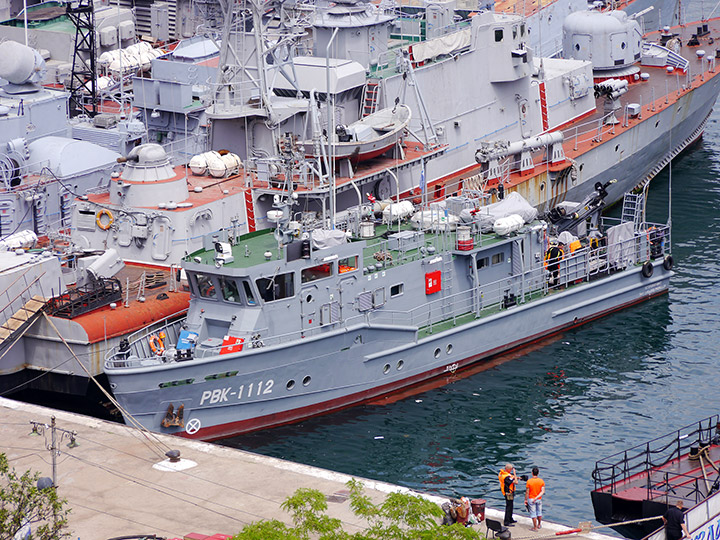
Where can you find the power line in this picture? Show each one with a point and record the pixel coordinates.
(169, 491)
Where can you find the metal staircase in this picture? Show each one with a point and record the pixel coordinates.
(13, 328)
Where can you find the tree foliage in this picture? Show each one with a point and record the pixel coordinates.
(23, 506)
(399, 517)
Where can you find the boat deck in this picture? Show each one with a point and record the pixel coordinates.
(681, 465)
(677, 479)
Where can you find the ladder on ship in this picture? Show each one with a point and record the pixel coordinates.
(371, 93)
(633, 208)
(20, 321)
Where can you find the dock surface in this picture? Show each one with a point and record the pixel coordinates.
(114, 486)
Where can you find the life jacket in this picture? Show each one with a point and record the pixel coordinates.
(504, 474)
(554, 255)
(575, 245)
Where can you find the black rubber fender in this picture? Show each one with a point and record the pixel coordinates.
(647, 269)
(668, 263)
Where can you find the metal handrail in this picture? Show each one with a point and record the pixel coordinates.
(642, 459)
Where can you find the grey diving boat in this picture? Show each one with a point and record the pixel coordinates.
(307, 319)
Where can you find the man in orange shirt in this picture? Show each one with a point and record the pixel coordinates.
(534, 490)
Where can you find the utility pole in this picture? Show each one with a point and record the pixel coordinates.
(39, 428)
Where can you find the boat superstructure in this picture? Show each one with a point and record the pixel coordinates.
(304, 320)
(549, 128)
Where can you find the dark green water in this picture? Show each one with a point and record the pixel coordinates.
(591, 392)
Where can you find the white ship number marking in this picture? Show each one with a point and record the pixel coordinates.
(193, 426)
(221, 395)
(452, 368)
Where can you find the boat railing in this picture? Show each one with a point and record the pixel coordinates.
(139, 349)
(611, 472)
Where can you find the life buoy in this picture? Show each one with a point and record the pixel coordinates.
(668, 263)
(156, 344)
(98, 219)
(647, 269)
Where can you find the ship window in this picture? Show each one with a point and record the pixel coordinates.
(276, 287)
(317, 272)
(249, 296)
(498, 34)
(205, 286)
(483, 262)
(498, 258)
(522, 30)
(230, 290)
(347, 265)
(515, 30)
(397, 290)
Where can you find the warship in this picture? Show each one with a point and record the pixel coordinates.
(485, 114)
(305, 319)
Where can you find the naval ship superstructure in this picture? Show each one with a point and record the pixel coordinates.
(486, 115)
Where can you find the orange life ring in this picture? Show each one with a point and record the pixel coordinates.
(98, 219)
(156, 344)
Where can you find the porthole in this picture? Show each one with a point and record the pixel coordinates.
(581, 166)
(577, 46)
(290, 384)
(309, 298)
(622, 45)
(386, 369)
(617, 147)
(307, 380)
(437, 353)
(400, 364)
(449, 348)
(542, 187)
(657, 123)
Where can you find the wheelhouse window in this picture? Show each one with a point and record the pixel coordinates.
(249, 296)
(397, 290)
(483, 262)
(230, 290)
(498, 34)
(276, 287)
(205, 286)
(498, 258)
(320, 271)
(347, 265)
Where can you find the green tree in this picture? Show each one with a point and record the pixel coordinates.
(22, 504)
(399, 517)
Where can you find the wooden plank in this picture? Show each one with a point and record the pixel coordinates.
(13, 324)
(34, 305)
(4, 333)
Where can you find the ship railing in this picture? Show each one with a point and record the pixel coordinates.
(590, 131)
(612, 472)
(139, 350)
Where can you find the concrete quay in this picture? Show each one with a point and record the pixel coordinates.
(118, 481)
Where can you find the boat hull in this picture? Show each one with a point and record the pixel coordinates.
(355, 364)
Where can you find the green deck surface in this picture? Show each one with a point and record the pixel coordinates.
(260, 242)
